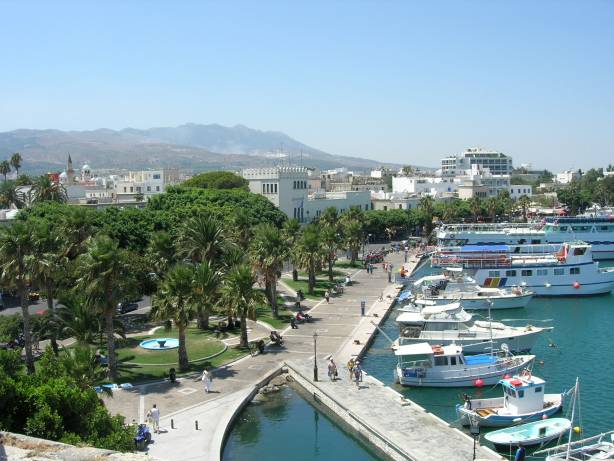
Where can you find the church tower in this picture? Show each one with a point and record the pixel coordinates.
(70, 172)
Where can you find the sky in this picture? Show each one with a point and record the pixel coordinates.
(398, 81)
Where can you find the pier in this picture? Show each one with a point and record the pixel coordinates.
(384, 418)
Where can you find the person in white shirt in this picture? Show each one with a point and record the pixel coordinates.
(154, 416)
(206, 379)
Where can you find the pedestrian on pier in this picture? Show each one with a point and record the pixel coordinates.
(350, 366)
(327, 296)
(293, 323)
(153, 415)
(357, 376)
(332, 370)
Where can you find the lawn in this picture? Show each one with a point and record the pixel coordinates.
(348, 264)
(264, 314)
(322, 284)
(138, 364)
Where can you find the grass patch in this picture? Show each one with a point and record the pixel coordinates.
(348, 265)
(321, 286)
(137, 364)
(265, 314)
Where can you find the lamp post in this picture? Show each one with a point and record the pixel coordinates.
(315, 356)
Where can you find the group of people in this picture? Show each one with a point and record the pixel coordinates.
(355, 370)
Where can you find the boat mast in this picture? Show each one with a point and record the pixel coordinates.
(573, 411)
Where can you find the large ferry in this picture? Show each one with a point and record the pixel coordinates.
(597, 231)
(564, 269)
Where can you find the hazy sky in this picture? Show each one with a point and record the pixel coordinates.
(399, 80)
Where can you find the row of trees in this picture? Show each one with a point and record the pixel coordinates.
(592, 187)
(13, 162)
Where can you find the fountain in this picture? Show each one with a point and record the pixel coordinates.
(160, 344)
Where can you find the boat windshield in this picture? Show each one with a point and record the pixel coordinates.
(480, 359)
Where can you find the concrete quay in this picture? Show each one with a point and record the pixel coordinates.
(394, 425)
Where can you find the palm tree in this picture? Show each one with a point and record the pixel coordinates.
(524, 203)
(330, 244)
(107, 278)
(330, 218)
(16, 162)
(83, 365)
(203, 239)
(76, 320)
(426, 206)
(206, 285)
(5, 168)
(449, 212)
(161, 253)
(77, 226)
(45, 190)
(308, 253)
(291, 230)
(9, 195)
(492, 205)
(353, 236)
(475, 206)
(239, 291)
(268, 251)
(241, 229)
(15, 249)
(175, 301)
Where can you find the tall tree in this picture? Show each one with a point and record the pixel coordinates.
(239, 291)
(16, 162)
(175, 301)
(524, 203)
(426, 206)
(203, 239)
(268, 251)
(5, 168)
(331, 240)
(206, 285)
(292, 230)
(308, 253)
(475, 206)
(10, 196)
(16, 243)
(161, 252)
(330, 218)
(107, 279)
(45, 190)
(492, 206)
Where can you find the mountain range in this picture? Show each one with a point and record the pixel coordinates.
(190, 146)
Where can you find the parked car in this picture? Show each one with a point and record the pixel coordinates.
(125, 307)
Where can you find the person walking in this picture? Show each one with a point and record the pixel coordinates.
(357, 372)
(293, 323)
(359, 368)
(327, 296)
(154, 416)
(350, 366)
(332, 370)
(206, 379)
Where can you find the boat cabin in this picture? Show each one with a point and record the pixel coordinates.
(523, 394)
(423, 355)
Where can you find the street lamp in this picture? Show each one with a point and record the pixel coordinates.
(315, 356)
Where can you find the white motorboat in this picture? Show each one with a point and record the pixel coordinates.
(453, 285)
(595, 230)
(424, 365)
(567, 269)
(597, 448)
(451, 324)
(530, 434)
(523, 401)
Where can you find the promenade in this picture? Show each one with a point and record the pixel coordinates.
(342, 332)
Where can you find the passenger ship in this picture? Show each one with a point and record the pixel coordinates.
(566, 269)
(597, 231)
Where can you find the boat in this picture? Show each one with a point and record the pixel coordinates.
(454, 285)
(425, 365)
(451, 324)
(547, 270)
(530, 434)
(597, 447)
(523, 401)
(595, 230)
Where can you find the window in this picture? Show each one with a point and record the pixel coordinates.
(452, 360)
(440, 361)
(520, 394)
(264, 188)
(131, 189)
(535, 242)
(579, 251)
(538, 389)
(559, 271)
(526, 273)
(542, 271)
(124, 188)
(148, 188)
(156, 176)
(510, 273)
(574, 270)
(157, 188)
(494, 273)
(275, 187)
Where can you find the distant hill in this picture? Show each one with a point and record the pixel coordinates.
(190, 146)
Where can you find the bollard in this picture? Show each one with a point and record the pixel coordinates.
(196, 424)
(362, 308)
(172, 423)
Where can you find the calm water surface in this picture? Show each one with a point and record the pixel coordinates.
(287, 427)
(583, 334)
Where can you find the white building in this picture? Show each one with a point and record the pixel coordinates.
(430, 185)
(518, 190)
(385, 201)
(146, 182)
(567, 176)
(288, 189)
(497, 162)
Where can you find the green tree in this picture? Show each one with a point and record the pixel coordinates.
(475, 205)
(9, 195)
(426, 206)
(291, 231)
(352, 225)
(44, 190)
(106, 279)
(203, 239)
(139, 197)
(175, 301)
(216, 180)
(308, 253)
(16, 162)
(161, 252)
(330, 218)
(16, 242)
(524, 203)
(239, 291)
(83, 365)
(5, 168)
(268, 251)
(492, 206)
(207, 283)
(331, 240)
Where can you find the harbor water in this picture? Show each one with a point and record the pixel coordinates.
(580, 345)
(286, 426)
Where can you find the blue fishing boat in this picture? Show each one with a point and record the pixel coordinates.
(530, 434)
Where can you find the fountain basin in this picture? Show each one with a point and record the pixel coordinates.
(160, 344)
